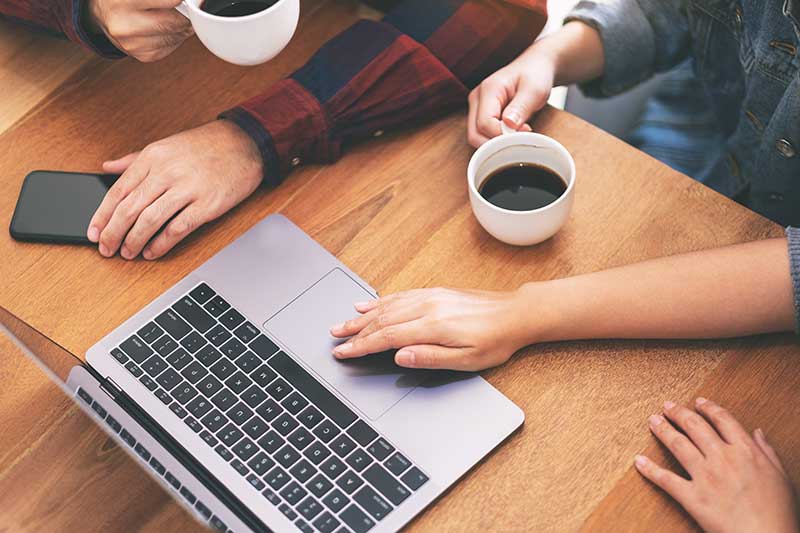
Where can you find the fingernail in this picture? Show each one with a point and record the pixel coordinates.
(760, 434)
(337, 327)
(405, 358)
(125, 253)
(104, 250)
(360, 306)
(147, 254)
(342, 348)
(700, 401)
(93, 234)
(640, 460)
(669, 405)
(513, 116)
(656, 420)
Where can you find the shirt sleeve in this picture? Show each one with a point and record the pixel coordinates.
(414, 65)
(640, 38)
(793, 235)
(61, 18)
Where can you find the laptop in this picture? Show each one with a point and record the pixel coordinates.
(224, 388)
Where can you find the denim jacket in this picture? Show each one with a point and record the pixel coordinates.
(746, 56)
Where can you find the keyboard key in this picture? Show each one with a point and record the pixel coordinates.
(210, 439)
(229, 435)
(335, 500)
(319, 486)
(326, 431)
(218, 335)
(273, 498)
(179, 359)
(245, 449)
(386, 484)
(194, 314)
(223, 452)
(269, 410)
(333, 467)
(359, 460)
(349, 482)
(233, 348)
(294, 403)
(193, 342)
(165, 345)
(157, 466)
(317, 453)
(263, 375)
(372, 502)
(154, 366)
(186, 493)
(309, 508)
(303, 526)
(85, 396)
(287, 456)
(238, 382)
(149, 383)
(231, 319)
(326, 523)
(278, 389)
(284, 424)
(248, 362)
(202, 293)
(397, 464)
(255, 427)
(176, 408)
(194, 372)
(240, 467)
(321, 397)
(253, 396)
(342, 445)
(362, 433)
(127, 438)
(150, 332)
(172, 480)
(240, 413)
(261, 463)
(356, 519)
(293, 493)
(119, 355)
(136, 349)
(286, 510)
(223, 369)
(218, 524)
(133, 369)
(209, 386)
(310, 417)
(183, 393)
(216, 306)
(263, 347)
(99, 409)
(214, 421)
(380, 449)
(199, 406)
(271, 442)
(246, 332)
(204, 511)
(414, 478)
(193, 424)
(173, 324)
(208, 355)
(255, 482)
(164, 396)
(224, 399)
(169, 379)
(113, 424)
(301, 438)
(277, 478)
(303, 471)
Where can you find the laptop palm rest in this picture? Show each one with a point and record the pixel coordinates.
(373, 383)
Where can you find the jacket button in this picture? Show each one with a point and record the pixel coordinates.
(785, 148)
(775, 197)
(739, 18)
(377, 133)
(296, 161)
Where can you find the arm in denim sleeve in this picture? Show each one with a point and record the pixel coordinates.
(63, 18)
(640, 38)
(793, 234)
(414, 65)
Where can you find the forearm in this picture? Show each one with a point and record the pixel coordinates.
(726, 292)
(576, 52)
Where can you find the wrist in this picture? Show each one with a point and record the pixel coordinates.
(542, 309)
(246, 148)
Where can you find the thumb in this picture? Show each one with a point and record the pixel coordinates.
(434, 357)
(119, 166)
(761, 441)
(529, 99)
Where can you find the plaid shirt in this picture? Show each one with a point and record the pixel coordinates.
(417, 63)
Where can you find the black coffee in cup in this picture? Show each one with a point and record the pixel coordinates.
(522, 187)
(235, 8)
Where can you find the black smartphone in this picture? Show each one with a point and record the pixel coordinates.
(57, 207)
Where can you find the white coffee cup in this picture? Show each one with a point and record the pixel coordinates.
(247, 40)
(521, 228)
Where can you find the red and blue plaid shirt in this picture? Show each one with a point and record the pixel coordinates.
(416, 64)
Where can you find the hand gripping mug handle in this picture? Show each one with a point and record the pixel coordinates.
(183, 9)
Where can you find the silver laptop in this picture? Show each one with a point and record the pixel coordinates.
(225, 387)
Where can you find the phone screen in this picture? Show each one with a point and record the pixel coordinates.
(57, 206)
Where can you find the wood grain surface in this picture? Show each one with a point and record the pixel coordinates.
(570, 467)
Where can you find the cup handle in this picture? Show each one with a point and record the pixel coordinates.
(183, 9)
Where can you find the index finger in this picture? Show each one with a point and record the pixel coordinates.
(390, 337)
(490, 109)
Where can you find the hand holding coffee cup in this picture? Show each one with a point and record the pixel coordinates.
(521, 187)
(243, 32)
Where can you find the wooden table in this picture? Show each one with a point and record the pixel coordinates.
(570, 467)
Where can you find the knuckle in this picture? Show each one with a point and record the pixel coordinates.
(388, 335)
(426, 358)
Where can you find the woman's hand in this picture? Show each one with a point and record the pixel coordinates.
(438, 328)
(737, 481)
(182, 182)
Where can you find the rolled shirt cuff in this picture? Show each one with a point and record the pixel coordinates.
(793, 235)
(97, 43)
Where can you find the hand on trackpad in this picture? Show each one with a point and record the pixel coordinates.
(374, 383)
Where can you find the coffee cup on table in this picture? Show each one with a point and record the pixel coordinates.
(243, 32)
(521, 187)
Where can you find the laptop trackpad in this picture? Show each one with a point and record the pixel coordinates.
(373, 383)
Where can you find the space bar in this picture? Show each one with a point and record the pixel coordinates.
(318, 395)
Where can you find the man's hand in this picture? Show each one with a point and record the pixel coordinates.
(147, 30)
(182, 181)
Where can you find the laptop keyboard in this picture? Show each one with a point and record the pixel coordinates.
(275, 424)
